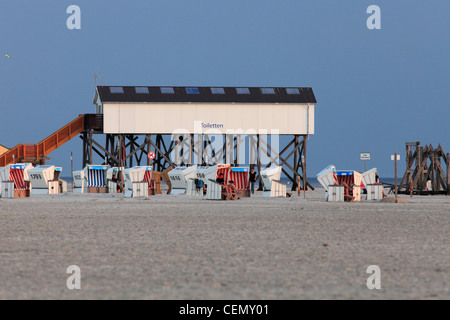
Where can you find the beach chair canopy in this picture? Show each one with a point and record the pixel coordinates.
(180, 175)
(349, 177)
(95, 175)
(368, 177)
(327, 177)
(240, 176)
(17, 173)
(138, 174)
(41, 175)
(270, 174)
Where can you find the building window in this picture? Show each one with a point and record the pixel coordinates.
(192, 91)
(292, 91)
(116, 89)
(242, 91)
(167, 90)
(267, 90)
(141, 90)
(217, 90)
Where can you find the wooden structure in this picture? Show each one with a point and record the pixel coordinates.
(427, 170)
(140, 120)
(37, 153)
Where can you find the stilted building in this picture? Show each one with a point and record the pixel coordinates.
(203, 126)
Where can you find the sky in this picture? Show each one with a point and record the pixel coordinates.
(376, 89)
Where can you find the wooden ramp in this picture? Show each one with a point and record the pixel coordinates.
(37, 153)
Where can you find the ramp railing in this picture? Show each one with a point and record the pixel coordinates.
(36, 152)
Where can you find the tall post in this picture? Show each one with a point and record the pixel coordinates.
(202, 145)
(121, 159)
(149, 146)
(71, 166)
(177, 152)
(107, 148)
(448, 174)
(419, 165)
(158, 154)
(304, 165)
(191, 149)
(396, 189)
(297, 183)
(431, 169)
(90, 146)
(84, 149)
(258, 155)
(236, 148)
(411, 189)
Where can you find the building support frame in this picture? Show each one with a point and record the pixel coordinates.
(127, 150)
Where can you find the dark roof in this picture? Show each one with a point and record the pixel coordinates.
(138, 94)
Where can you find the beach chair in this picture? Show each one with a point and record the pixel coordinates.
(17, 173)
(351, 180)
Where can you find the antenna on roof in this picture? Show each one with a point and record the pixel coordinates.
(96, 76)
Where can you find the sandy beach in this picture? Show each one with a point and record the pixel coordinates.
(178, 247)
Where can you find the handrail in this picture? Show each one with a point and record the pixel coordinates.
(35, 152)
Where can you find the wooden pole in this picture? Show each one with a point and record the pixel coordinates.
(448, 174)
(411, 188)
(258, 155)
(148, 138)
(106, 148)
(121, 158)
(396, 189)
(84, 149)
(71, 166)
(296, 165)
(304, 165)
(90, 146)
(191, 150)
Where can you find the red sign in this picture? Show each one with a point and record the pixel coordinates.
(151, 155)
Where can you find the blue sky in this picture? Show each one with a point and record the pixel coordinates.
(376, 89)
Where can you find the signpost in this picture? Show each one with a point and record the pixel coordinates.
(71, 165)
(364, 156)
(395, 158)
(151, 155)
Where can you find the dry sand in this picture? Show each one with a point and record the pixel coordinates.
(178, 247)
